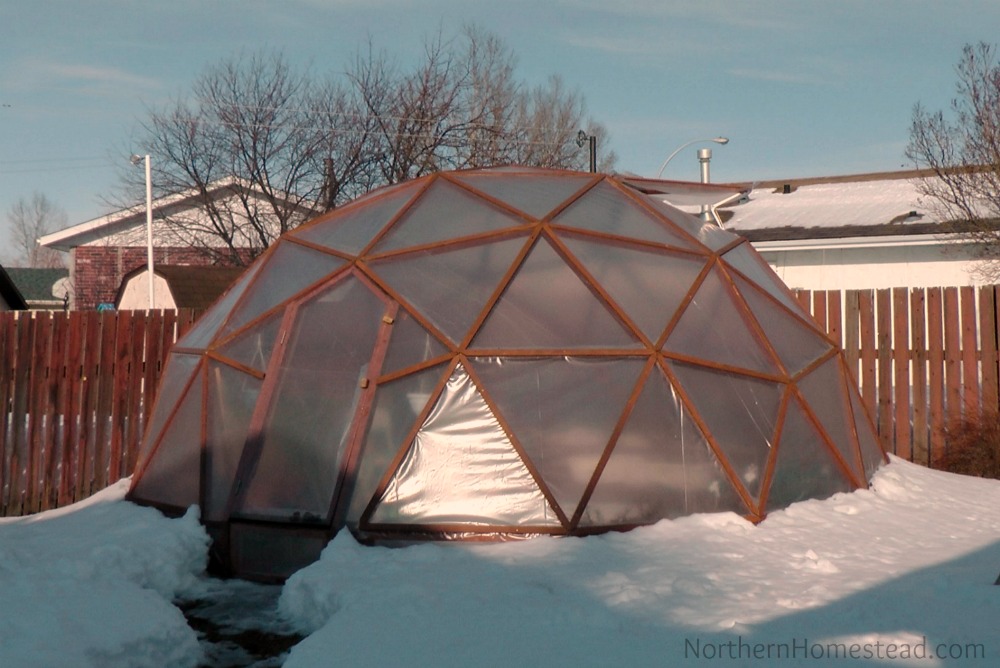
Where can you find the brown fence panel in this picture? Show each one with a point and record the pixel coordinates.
(924, 358)
(76, 391)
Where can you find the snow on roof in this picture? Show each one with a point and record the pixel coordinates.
(866, 201)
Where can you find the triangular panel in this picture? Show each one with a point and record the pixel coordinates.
(805, 467)
(444, 212)
(536, 197)
(714, 328)
(872, 456)
(289, 269)
(647, 285)
(462, 469)
(450, 287)
(548, 305)
(176, 375)
(562, 411)
(410, 344)
(253, 347)
(172, 476)
(796, 343)
(708, 233)
(825, 394)
(351, 230)
(316, 391)
(746, 260)
(395, 411)
(661, 467)
(208, 324)
(232, 396)
(606, 209)
(740, 414)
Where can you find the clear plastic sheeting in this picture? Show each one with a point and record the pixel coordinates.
(451, 286)
(315, 396)
(603, 209)
(291, 268)
(446, 212)
(744, 259)
(714, 327)
(740, 413)
(661, 467)
(350, 229)
(397, 406)
(800, 461)
(796, 343)
(647, 284)
(208, 325)
(178, 372)
(462, 469)
(173, 476)
(232, 396)
(547, 305)
(536, 197)
(552, 410)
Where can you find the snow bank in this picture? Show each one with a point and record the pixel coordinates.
(91, 584)
(907, 564)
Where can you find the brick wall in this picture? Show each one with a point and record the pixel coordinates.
(96, 271)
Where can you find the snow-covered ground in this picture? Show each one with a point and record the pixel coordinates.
(898, 575)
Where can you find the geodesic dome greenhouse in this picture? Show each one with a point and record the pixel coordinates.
(493, 354)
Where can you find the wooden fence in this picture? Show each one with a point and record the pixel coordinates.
(923, 358)
(76, 390)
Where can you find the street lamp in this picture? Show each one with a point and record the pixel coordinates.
(717, 140)
(136, 159)
(582, 138)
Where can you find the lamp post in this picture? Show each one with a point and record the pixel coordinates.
(704, 171)
(583, 138)
(136, 159)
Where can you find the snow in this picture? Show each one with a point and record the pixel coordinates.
(871, 202)
(890, 576)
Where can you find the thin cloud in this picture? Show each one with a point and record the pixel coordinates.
(90, 74)
(39, 75)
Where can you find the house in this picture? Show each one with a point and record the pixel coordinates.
(854, 232)
(43, 289)
(104, 250)
(10, 297)
(175, 286)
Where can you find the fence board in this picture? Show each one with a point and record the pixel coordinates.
(988, 346)
(918, 329)
(901, 373)
(883, 303)
(935, 368)
(852, 341)
(7, 359)
(952, 356)
(970, 357)
(866, 310)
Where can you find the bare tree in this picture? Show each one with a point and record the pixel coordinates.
(260, 147)
(244, 150)
(961, 152)
(30, 219)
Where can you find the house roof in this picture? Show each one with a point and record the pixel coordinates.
(10, 293)
(36, 284)
(194, 287)
(133, 217)
(886, 204)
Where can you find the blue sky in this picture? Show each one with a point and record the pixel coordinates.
(801, 87)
